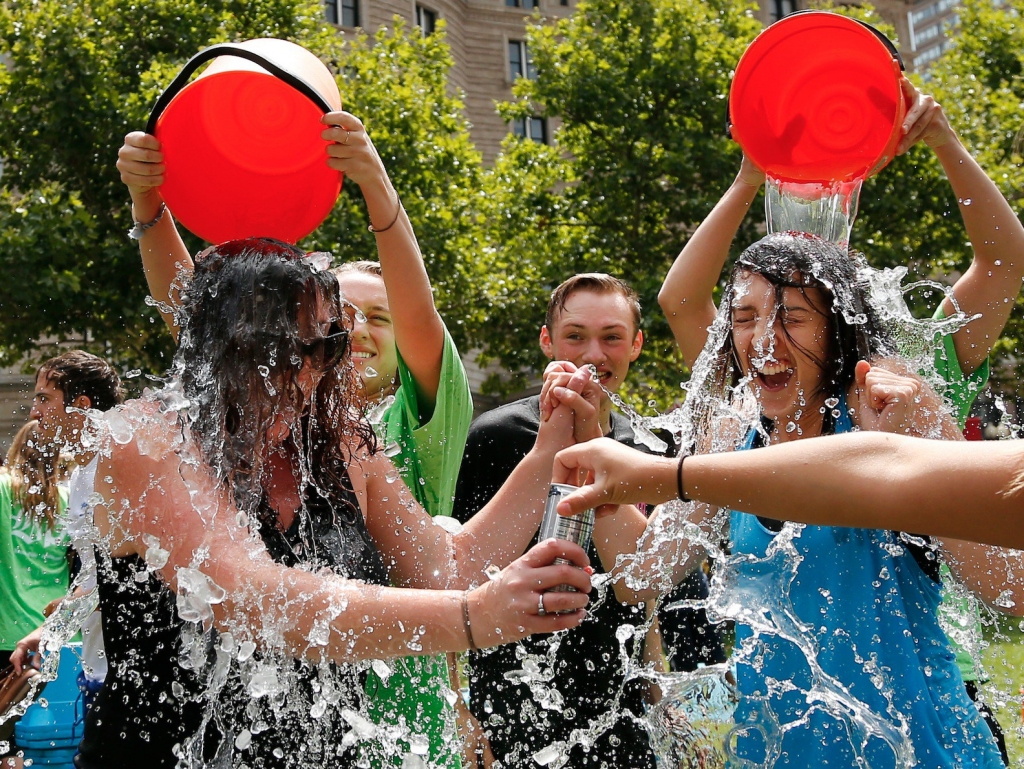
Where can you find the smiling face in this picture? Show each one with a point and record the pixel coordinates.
(783, 348)
(374, 352)
(596, 328)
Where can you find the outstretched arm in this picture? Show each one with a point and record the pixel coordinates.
(865, 480)
(164, 254)
(419, 331)
(182, 523)
(990, 285)
(686, 294)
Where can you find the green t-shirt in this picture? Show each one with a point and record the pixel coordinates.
(959, 612)
(428, 456)
(430, 453)
(33, 566)
(959, 390)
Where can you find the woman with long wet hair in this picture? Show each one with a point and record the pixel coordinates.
(255, 458)
(800, 333)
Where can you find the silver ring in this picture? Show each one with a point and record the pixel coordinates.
(541, 611)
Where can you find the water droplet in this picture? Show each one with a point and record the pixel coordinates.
(133, 373)
(967, 201)
(492, 572)
(370, 373)
(790, 427)
(245, 650)
(243, 740)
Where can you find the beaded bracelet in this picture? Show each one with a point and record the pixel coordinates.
(139, 228)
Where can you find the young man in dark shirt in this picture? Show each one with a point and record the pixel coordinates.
(591, 319)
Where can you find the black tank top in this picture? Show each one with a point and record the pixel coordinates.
(150, 704)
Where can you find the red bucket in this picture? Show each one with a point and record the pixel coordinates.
(242, 142)
(817, 98)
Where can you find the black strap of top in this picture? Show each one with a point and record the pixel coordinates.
(227, 49)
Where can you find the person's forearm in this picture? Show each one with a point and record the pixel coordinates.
(994, 231)
(164, 257)
(503, 528)
(419, 331)
(616, 535)
(993, 574)
(686, 296)
(871, 480)
(991, 283)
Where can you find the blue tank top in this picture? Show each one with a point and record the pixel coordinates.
(872, 613)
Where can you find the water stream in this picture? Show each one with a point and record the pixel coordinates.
(693, 723)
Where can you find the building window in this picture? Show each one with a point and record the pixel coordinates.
(520, 62)
(523, 3)
(781, 9)
(934, 9)
(926, 34)
(426, 20)
(537, 127)
(344, 12)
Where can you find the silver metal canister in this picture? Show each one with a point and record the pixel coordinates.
(576, 528)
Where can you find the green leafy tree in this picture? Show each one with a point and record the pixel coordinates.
(80, 75)
(397, 82)
(639, 88)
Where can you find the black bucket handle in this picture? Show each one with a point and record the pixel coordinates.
(228, 49)
(889, 44)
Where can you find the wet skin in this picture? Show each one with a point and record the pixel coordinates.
(282, 484)
(786, 379)
(373, 337)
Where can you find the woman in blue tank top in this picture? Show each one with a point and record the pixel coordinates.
(860, 629)
(864, 602)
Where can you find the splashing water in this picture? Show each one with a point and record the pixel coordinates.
(825, 210)
(693, 725)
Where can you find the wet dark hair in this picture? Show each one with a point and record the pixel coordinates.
(799, 260)
(78, 372)
(240, 353)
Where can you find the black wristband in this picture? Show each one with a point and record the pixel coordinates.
(679, 479)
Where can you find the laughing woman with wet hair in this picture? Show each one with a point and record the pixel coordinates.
(250, 497)
(799, 328)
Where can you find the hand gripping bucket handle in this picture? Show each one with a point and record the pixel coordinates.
(227, 49)
(889, 44)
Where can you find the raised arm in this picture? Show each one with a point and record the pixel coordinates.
(990, 285)
(864, 480)
(419, 331)
(686, 294)
(164, 254)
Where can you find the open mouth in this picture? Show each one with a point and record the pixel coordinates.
(774, 377)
